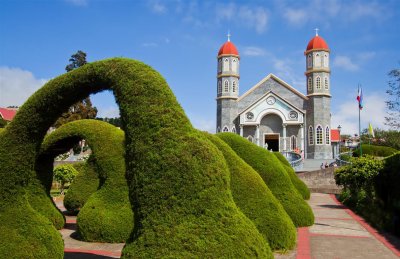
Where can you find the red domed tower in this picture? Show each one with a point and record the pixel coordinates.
(227, 86)
(318, 91)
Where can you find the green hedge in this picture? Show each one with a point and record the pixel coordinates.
(99, 220)
(373, 150)
(274, 175)
(178, 183)
(85, 184)
(257, 202)
(297, 183)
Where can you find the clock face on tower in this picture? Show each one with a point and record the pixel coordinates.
(271, 100)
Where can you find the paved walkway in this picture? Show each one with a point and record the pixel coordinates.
(337, 234)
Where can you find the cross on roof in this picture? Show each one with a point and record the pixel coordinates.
(229, 36)
(316, 31)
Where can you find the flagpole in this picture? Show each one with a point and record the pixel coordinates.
(359, 118)
(359, 129)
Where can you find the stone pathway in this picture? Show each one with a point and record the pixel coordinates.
(337, 234)
(76, 249)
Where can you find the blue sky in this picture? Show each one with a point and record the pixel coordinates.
(181, 39)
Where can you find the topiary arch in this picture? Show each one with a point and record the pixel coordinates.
(107, 215)
(177, 179)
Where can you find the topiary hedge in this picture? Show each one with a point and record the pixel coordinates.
(274, 175)
(85, 184)
(297, 183)
(107, 215)
(177, 180)
(373, 150)
(256, 201)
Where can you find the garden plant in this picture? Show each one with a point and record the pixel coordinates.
(275, 177)
(107, 215)
(178, 181)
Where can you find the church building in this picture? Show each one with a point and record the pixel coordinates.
(272, 113)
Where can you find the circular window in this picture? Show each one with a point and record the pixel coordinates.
(293, 115)
(249, 115)
(271, 100)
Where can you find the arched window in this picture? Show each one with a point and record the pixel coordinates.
(250, 138)
(317, 60)
(318, 82)
(225, 129)
(234, 86)
(309, 83)
(218, 129)
(219, 66)
(234, 66)
(226, 65)
(310, 135)
(226, 86)
(219, 87)
(319, 135)
(293, 142)
(326, 83)
(327, 136)
(326, 60)
(233, 129)
(309, 60)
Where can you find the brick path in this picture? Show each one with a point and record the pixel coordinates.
(337, 234)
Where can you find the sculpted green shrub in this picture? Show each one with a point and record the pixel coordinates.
(85, 184)
(178, 181)
(297, 183)
(372, 150)
(256, 201)
(106, 215)
(274, 175)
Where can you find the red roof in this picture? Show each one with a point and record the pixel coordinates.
(335, 135)
(7, 113)
(228, 48)
(317, 43)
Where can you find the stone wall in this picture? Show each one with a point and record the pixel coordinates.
(320, 181)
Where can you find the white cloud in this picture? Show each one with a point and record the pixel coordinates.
(149, 44)
(78, 2)
(295, 16)
(17, 85)
(158, 7)
(323, 12)
(203, 124)
(253, 51)
(109, 112)
(345, 63)
(255, 17)
(374, 112)
(283, 69)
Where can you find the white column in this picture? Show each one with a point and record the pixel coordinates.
(284, 136)
(302, 137)
(241, 130)
(258, 135)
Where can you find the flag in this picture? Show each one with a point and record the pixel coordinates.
(360, 98)
(371, 130)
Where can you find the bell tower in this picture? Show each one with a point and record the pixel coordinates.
(319, 103)
(227, 87)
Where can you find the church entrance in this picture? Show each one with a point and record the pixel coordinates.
(271, 141)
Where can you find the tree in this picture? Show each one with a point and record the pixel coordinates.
(3, 123)
(83, 109)
(64, 174)
(393, 104)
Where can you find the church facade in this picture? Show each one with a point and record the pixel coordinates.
(273, 114)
